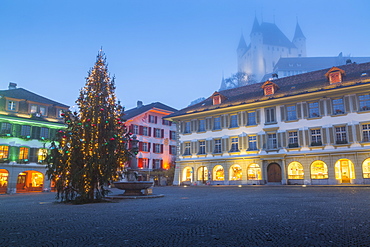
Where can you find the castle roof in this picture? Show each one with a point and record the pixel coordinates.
(315, 81)
(298, 32)
(20, 93)
(242, 43)
(272, 35)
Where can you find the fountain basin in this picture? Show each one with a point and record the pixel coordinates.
(133, 188)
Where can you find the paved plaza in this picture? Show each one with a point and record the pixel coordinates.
(194, 216)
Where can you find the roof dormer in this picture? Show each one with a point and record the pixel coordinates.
(217, 98)
(269, 88)
(335, 75)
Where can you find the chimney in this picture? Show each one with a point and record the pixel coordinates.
(139, 104)
(12, 85)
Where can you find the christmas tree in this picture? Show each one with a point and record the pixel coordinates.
(93, 148)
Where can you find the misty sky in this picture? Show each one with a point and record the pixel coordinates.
(171, 51)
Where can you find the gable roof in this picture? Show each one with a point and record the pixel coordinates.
(20, 93)
(139, 110)
(288, 86)
(272, 35)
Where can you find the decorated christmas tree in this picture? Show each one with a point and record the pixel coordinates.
(90, 152)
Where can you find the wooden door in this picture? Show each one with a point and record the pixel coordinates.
(21, 183)
(273, 173)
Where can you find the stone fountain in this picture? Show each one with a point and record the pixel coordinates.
(129, 182)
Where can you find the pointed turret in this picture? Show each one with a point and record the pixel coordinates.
(299, 41)
(256, 26)
(223, 84)
(242, 45)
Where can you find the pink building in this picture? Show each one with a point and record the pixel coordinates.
(157, 137)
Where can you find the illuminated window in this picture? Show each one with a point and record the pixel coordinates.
(364, 102)
(41, 155)
(319, 170)
(218, 173)
(37, 179)
(3, 178)
(4, 152)
(187, 174)
(314, 109)
(233, 121)
(202, 173)
(217, 123)
(295, 170)
(33, 108)
(143, 163)
(366, 132)
(254, 172)
(338, 106)
(344, 170)
(234, 144)
(366, 168)
(202, 147)
(217, 149)
(291, 112)
(252, 143)
(187, 148)
(23, 153)
(235, 172)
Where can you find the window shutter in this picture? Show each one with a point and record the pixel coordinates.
(324, 136)
(35, 132)
(193, 125)
(307, 140)
(243, 118)
(162, 133)
(350, 133)
(149, 144)
(208, 123)
(161, 148)
(153, 147)
(358, 132)
(331, 135)
(300, 138)
(299, 111)
(259, 142)
(211, 125)
(16, 130)
(225, 142)
(161, 162)
(182, 150)
(222, 119)
(246, 143)
(346, 104)
(208, 146)
(140, 163)
(282, 113)
(264, 141)
(329, 107)
(53, 133)
(182, 127)
(131, 128)
(155, 119)
(141, 130)
(170, 123)
(258, 116)
(227, 121)
(284, 139)
(149, 131)
(354, 103)
(279, 137)
(140, 146)
(305, 109)
(193, 147)
(322, 107)
(212, 145)
(33, 155)
(240, 119)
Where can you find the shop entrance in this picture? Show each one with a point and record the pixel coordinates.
(273, 173)
(3, 181)
(344, 170)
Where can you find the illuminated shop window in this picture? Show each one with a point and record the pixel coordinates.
(37, 179)
(23, 153)
(254, 172)
(319, 170)
(187, 174)
(235, 172)
(4, 151)
(295, 170)
(3, 178)
(218, 173)
(366, 168)
(344, 170)
(41, 155)
(202, 173)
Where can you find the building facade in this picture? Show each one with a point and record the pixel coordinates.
(28, 123)
(312, 128)
(156, 136)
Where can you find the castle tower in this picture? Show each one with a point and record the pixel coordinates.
(299, 41)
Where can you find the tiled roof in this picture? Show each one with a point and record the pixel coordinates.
(139, 110)
(288, 86)
(20, 93)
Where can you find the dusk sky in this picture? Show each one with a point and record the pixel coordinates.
(171, 51)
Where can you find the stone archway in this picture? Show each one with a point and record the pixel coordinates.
(273, 173)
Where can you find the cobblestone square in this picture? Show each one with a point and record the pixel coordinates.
(194, 216)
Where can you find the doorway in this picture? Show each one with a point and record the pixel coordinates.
(273, 173)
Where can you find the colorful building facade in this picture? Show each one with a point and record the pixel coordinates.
(311, 128)
(28, 123)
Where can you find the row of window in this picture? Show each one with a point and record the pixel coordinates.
(157, 148)
(154, 119)
(23, 154)
(292, 112)
(38, 110)
(26, 131)
(344, 169)
(147, 131)
(290, 139)
(143, 163)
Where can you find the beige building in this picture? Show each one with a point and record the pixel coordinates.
(311, 128)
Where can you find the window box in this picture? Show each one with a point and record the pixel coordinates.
(293, 145)
(341, 142)
(316, 143)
